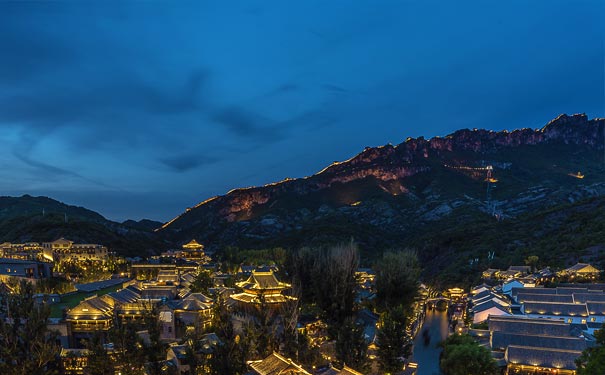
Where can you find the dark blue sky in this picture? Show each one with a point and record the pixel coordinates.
(141, 109)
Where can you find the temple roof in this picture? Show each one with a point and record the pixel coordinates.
(193, 245)
(92, 309)
(275, 364)
(262, 281)
(253, 298)
(193, 302)
(581, 267)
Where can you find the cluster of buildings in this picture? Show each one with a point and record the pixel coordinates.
(34, 261)
(55, 251)
(163, 287)
(532, 329)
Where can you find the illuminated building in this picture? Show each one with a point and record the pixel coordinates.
(259, 288)
(63, 249)
(24, 269)
(276, 364)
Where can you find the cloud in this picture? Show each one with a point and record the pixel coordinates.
(185, 163)
(247, 124)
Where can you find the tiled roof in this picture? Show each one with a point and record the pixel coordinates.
(489, 304)
(561, 298)
(581, 267)
(516, 291)
(528, 326)
(588, 297)
(501, 340)
(596, 308)
(262, 281)
(482, 294)
(542, 357)
(252, 298)
(92, 308)
(554, 308)
(275, 364)
(194, 302)
(571, 290)
(125, 296)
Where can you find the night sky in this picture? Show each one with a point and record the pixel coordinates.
(142, 109)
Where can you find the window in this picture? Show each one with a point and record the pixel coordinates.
(593, 319)
(569, 320)
(583, 321)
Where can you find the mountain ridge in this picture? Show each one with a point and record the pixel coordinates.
(391, 166)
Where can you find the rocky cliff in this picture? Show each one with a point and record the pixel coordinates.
(478, 171)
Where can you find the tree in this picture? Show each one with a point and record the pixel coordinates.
(202, 282)
(128, 347)
(532, 261)
(397, 278)
(393, 342)
(155, 351)
(592, 360)
(464, 356)
(334, 282)
(351, 346)
(26, 344)
(290, 314)
(231, 353)
(99, 361)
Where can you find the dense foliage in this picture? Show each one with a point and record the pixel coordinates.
(592, 360)
(393, 343)
(26, 344)
(397, 275)
(462, 355)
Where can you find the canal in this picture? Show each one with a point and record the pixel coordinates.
(427, 356)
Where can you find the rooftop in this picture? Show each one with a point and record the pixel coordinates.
(276, 364)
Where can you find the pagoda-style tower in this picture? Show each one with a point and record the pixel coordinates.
(193, 250)
(259, 286)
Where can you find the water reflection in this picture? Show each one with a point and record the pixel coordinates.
(427, 356)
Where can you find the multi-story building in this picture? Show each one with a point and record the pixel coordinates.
(25, 251)
(24, 269)
(66, 250)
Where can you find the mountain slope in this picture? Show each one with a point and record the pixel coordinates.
(384, 194)
(40, 219)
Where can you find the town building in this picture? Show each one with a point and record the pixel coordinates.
(261, 288)
(529, 346)
(276, 364)
(25, 251)
(488, 303)
(30, 270)
(581, 271)
(66, 250)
